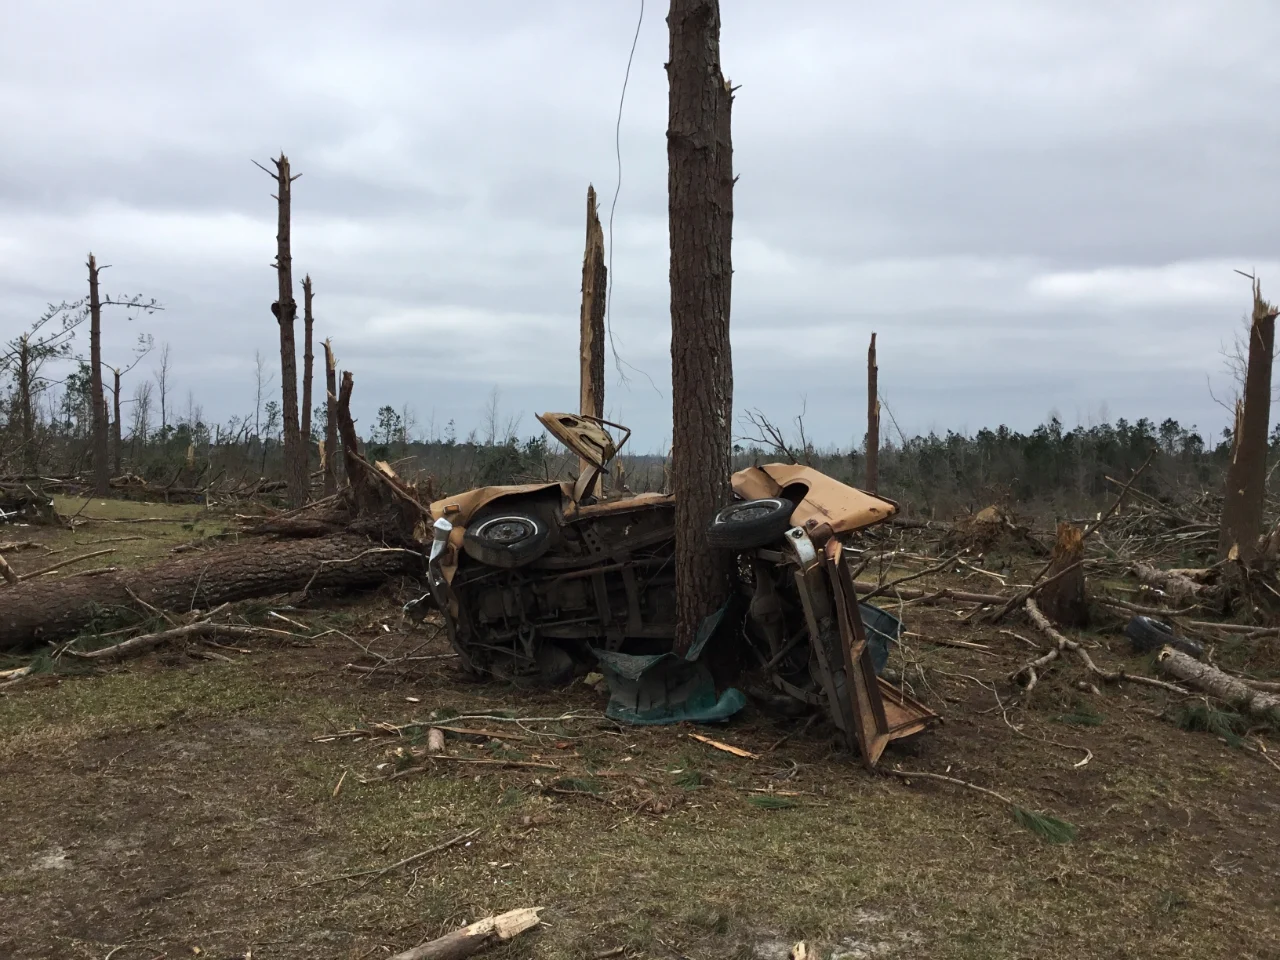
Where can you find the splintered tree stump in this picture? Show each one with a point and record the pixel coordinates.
(1063, 599)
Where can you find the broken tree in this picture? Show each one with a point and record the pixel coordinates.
(1246, 473)
(285, 310)
(873, 419)
(700, 212)
(307, 361)
(1063, 595)
(101, 467)
(591, 326)
(330, 420)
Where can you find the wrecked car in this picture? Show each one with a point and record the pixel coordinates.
(541, 580)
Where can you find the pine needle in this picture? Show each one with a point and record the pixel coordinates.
(689, 780)
(1082, 716)
(1202, 717)
(766, 802)
(1044, 826)
(577, 785)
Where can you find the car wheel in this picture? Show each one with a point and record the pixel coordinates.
(507, 540)
(1146, 634)
(751, 523)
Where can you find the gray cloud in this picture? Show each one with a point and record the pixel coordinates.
(1036, 206)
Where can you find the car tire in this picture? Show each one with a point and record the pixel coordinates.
(750, 523)
(507, 540)
(1146, 634)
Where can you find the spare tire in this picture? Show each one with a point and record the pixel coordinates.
(1146, 634)
(748, 524)
(507, 540)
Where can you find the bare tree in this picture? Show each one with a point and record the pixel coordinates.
(873, 418)
(145, 343)
(48, 339)
(307, 360)
(330, 420)
(162, 377)
(700, 210)
(285, 310)
(1246, 473)
(141, 413)
(101, 469)
(490, 419)
(262, 383)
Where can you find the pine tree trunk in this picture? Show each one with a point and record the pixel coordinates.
(700, 209)
(101, 466)
(1241, 521)
(330, 420)
(1063, 599)
(307, 361)
(285, 310)
(25, 411)
(873, 419)
(115, 426)
(591, 327)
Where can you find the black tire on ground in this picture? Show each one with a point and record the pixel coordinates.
(750, 523)
(509, 539)
(1146, 634)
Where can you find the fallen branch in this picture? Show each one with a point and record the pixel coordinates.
(6, 571)
(1051, 828)
(1063, 643)
(936, 568)
(476, 937)
(64, 563)
(915, 593)
(375, 872)
(1214, 682)
(135, 646)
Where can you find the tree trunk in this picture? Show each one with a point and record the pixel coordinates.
(37, 611)
(115, 426)
(591, 329)
(1246, 474)
(285, 310)
(700, 210)
(1213, 681)
(1063, 599)
(475, 938)
(307, 361)
(25, 412)
(330, 420)
(873, 419)
(101, 466)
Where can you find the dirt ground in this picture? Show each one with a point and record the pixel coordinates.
(209, 801)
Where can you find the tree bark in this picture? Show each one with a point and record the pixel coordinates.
(37, 611)
(700, 210)
(115, 425)
(285, 310)
(873, 418)
(101, 465)
(1213, 681)
(1063, 598)
(307, 361)
(591, 327)
(1246, 474)
(330, 420)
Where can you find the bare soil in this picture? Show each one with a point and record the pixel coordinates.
(177, 806)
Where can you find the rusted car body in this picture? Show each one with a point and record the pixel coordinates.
(532, 578)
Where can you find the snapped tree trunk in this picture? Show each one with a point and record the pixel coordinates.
(591, 332)
(285, 310)
(1246, 473)
(101, 465)
(700, 211)
(1063, 599)
(330, 420)
(115, 425)
(873, 419)
(307, 360)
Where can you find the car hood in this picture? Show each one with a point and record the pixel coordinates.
(823, 505)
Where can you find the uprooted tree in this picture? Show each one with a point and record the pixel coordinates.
(700, 211)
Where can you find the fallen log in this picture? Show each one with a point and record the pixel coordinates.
(1214, 682)
(1178, 587)
(476, 937)
(37, 611)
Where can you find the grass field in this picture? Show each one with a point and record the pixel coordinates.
(205, 802)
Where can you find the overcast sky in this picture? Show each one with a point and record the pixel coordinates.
(1037, 206)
